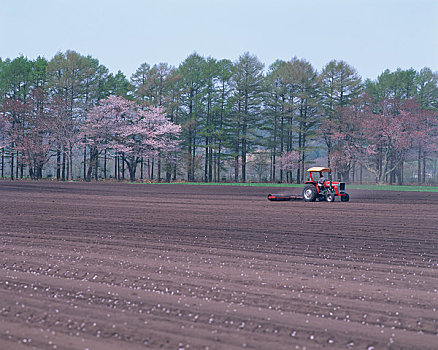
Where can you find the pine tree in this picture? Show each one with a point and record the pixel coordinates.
(247, 81)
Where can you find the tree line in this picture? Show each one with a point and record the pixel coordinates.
(208, 116)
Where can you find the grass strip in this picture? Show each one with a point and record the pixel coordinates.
(355, 187)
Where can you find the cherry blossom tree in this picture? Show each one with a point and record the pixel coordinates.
(259, 163)
(342, 132)
(4, 126)
(99, 131)
(4, 130)
(289, 161)
(383, 136)
(341, 159)
(131, 129)
(65, 133)
(425, 137)
(28, 131)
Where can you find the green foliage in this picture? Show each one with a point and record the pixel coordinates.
(16, 78)
(427, 89)
(395, 188)
(400, 84)
(117, 85)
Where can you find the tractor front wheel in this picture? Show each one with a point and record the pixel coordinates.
(310, 193)
(345, 198)
(330, 197)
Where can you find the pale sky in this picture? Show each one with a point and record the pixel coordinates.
(370, 35)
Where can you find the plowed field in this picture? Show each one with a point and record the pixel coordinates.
(119, 266)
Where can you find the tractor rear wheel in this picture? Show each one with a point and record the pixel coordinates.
(310, 193)
(330, 197)
(345, 198)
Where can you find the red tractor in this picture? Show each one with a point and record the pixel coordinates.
(318, 187)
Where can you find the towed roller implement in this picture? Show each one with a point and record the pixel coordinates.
(284, 197)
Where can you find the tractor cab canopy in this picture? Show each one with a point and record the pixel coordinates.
(317, 169)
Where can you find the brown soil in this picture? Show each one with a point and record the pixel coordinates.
(118, 266)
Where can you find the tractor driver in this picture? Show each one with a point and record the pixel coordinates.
(321, 181)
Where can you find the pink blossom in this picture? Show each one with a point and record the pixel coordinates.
(289, 161)
(4, 129)
(135, 130)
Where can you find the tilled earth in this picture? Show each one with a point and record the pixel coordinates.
(119, 266)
